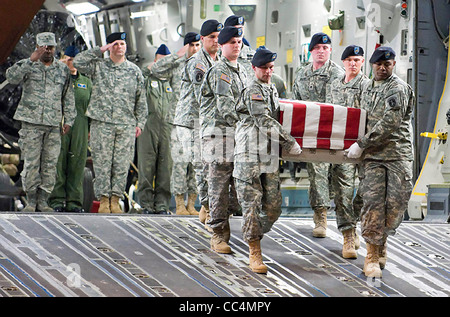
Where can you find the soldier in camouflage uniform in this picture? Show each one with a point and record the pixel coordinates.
(183, 176)
(118, 112)
(187, 112)
(311, 85)
(220, 91)
(256, 156)
(346, 91)
(387, 157)
(47, 96)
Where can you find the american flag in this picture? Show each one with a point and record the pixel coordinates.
(322, 127)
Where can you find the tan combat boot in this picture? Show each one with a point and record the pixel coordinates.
(181, 208)
(255, 257)
(348, 247)
(191, 205)
(357, 242)
(203, 214)
(31, 203)
(219, 243)
(320, 222)
(104, 205)
(115, 207)
(382, 255)
(371, 264)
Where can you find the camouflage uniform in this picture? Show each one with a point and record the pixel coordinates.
(220, 91)
(154, 157)
(387, 158)
(117, 106)
(47, 95)
(187, 117)
(256, 159)
(311, 85)
(343, 175)
(183, 176)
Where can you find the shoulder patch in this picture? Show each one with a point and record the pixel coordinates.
(393, 102)
(257, 97)
(225, 78)
(201, 67)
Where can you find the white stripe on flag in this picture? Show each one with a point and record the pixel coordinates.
(338, 128)
(312, 119)
(287, 109)
(362, 124)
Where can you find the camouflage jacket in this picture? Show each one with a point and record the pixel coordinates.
(389, 107)
(172, 67)
(220, 92)
(47, 92)
(187, 109)
(258, 132)
(118, 94)
(346, 94)
(311, 85)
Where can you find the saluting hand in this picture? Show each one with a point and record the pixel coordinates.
(36, 55)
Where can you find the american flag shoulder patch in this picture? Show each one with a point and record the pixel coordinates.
(201, 67)
(225, 78)
(257, 97)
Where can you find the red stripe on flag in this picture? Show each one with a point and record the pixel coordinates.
(352, 127)
(298, 120)
(325, 126)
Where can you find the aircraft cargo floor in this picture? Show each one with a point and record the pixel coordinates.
(91, 255)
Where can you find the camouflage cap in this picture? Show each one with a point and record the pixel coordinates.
(46, 39)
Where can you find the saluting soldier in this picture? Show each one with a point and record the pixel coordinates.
(346, 91)
(47, 98)
(387, 157)
(187, 113)
(220, 91)
(256, 156)
(183, 175)
(311, 85)
(118, 112)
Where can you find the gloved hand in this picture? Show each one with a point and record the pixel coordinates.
(296, 149)
(354, 151)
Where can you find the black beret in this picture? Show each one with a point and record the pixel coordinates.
(233, 20)
(352, 50)
(319, 38)
(210, 26)
(116, 36)
(263, 56)
(383, 53)
(191, 37)
(229, 32)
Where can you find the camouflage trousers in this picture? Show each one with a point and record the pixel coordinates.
(112, 149)
(221, 188)
(183, 175)
(190, 141)
(386, 188)
(342, 183)
(260, 199)
(40, 147)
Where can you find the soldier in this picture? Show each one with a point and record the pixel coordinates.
(47, 98)
(118, 111)
(187, 112)
(183, 176)
(68, 192)
(256, 170)
(311, 85)
(346, 91)
(154, 159)
(220, 91)
(387, 162)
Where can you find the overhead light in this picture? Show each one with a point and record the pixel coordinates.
(142, 14)
(82, 8)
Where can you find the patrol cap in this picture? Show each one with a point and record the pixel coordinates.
(352, 50)
(116, 36)
(71, 51)
(319, 38)
(383, 53)
(263, 56)
(46, 39)
(162, 50)
(210, 26)
(191, 37)
(228, 33)
(233, 20)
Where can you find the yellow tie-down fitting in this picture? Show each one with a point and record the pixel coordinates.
(441, 136)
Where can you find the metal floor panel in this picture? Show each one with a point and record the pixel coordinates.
(91, 255)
